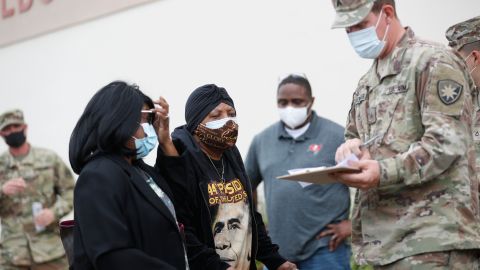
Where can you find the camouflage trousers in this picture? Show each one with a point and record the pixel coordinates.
(446, 260)
(58, 264)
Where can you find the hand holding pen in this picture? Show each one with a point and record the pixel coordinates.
(369, 175)
(355, 147)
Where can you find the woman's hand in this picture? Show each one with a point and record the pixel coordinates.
(162, 121)
(162, 126)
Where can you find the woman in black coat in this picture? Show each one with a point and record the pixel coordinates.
(214, 200)
(124, 216)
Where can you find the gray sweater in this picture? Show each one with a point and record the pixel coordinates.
(296, 215)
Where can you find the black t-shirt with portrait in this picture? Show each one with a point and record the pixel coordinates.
(232, 225)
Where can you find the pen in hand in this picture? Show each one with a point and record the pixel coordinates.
(370, 141)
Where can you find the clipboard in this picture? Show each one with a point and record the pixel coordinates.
(318, 175)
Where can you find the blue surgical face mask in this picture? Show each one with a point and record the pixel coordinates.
(145, 145)
(366, 42)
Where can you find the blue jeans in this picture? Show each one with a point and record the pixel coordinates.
(324, 259)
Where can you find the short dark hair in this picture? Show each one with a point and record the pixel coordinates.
(378, 5)
(110, 119)
(298, 80)
(470, 47)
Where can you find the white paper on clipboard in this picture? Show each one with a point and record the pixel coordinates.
(320, 175)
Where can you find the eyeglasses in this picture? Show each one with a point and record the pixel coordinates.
(150, 117)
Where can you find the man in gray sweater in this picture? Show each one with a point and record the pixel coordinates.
(308, 222)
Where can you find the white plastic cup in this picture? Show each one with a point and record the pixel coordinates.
(36, 209)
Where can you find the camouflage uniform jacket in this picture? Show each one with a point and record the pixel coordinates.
(476, 122)
(418, 105)
(50, 182)
(459, 35)
(476, 112)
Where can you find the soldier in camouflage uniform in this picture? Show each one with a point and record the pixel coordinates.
(464, 37)
(416, 205)
(31, 175)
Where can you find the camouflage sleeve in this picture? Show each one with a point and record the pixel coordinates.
(64, 184)
(446, 106)
(351, 127)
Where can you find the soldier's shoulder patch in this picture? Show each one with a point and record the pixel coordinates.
(449, 91)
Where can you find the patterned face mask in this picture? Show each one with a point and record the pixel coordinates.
(221, 138)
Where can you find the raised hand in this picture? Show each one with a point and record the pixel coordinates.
(162, 125)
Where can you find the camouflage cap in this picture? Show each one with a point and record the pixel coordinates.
(463, 33)
(350, 12)
(11, 117)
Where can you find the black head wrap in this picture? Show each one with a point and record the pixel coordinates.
(202, 101)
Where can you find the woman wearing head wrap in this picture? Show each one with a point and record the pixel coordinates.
(223, 231)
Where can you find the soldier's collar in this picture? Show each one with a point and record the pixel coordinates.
(393, 63)
(27, 159)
